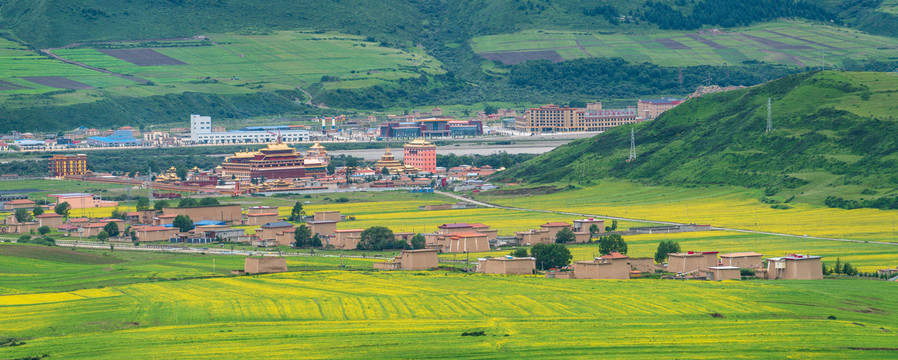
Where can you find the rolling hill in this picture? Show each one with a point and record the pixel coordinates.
(379, 55)
(833, 132)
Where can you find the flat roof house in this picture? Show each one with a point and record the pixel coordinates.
(264, 265)
(795, 267)
(323, 227)
(602, 269)
(691, 261)
(421, 259)
(507, 265)
(745, 260)
(720, 273)
(347, 239)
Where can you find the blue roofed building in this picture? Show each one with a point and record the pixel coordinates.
(118, 138)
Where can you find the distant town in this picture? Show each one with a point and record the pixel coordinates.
(547, 119)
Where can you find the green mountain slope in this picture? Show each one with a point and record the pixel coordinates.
(403, 53)
(833, 131)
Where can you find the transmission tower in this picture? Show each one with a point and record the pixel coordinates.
(769, 116)
(632, 145)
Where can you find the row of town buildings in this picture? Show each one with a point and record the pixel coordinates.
(553, 118)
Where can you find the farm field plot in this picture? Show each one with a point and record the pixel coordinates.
(17, 63)
(32, 269)
(791, 43)
(235, 64)
(867, 257)
(285, 59)
(717, 206)
(387, 315)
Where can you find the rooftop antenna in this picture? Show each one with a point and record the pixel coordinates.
(632, 145)
(769, 116)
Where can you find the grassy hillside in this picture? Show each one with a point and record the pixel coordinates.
(355, 314)
(790, 43)
(833, 130)
(396, 53)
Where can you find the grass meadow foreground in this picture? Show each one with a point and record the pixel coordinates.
(363, 314)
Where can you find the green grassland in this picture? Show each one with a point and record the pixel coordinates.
(841, 44)
(36, 269)
(235, 64)
(338, 314)
(831, 136)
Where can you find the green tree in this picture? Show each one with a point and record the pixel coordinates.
(103, 236)
(490, 109)
(331, 168)
(826, 270)
(143, 204)
(187, 203)
(63, 209)
(209, 201)
(117, 214)
(182, 173)
(302, 236)
(838, 268)
(379, 238)
(664, 248)
(847, 269)
(23, 215)
(38, 210)
(612, 243)
(183, 223)
(43, 230)
(418, 241)
(158, 205)
(385, 171)
(564, 236)
(315, 241)
(551, 255)
(519, 252)
(297, 213)
(593, 230)
(111, 228)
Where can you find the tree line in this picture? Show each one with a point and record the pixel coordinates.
(731, 13)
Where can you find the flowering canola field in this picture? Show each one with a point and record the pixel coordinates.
(717, 206)
(341, 314)
(866, 257)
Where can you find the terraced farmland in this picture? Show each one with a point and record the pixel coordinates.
(788, 43)
(224, 64)
(427, 315)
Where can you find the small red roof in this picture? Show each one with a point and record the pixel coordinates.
(133, 214)
(479, 226)
(455, 226)
(555, 224)
(153, 228)
(470, 234)
(263, 214)
(48, 215)
(615, 256)
(20, 201)
(350, 230)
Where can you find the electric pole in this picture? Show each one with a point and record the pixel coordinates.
(769, 116)
(632, 145)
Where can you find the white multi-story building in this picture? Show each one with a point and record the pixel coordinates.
(201, 133)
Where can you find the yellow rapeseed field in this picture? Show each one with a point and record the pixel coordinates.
(717, 206)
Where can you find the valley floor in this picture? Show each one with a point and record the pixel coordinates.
(360, 314)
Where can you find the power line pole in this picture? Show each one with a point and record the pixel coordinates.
(632, 145)
(769, 116)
